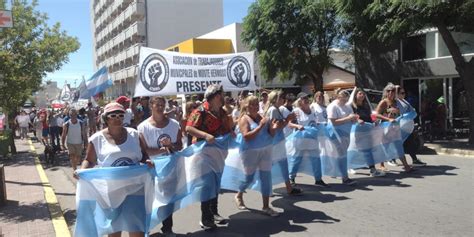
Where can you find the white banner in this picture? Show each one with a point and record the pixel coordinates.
(170, 73)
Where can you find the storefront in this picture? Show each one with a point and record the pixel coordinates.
(440, 102)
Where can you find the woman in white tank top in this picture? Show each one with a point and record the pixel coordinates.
(160, 135)
(114, 146)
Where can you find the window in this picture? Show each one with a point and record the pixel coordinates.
(414, 47)
(465, 42)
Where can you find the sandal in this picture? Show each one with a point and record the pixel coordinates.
(270, 212)
(240, 203)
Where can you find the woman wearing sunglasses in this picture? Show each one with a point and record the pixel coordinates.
(115, 146)
(388, 110)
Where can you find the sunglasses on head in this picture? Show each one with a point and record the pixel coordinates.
(116, 115)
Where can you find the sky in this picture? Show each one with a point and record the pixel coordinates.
(75, 19)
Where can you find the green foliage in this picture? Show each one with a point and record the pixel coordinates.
(388, 21)
(293, 37)
(28, 51)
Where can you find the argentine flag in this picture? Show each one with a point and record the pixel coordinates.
(334, 149)
(99, 82)
(304, 152)
(249, 164)
(188, 176)
(113, 199)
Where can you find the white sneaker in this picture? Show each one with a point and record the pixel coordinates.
(351, 171)
(377, 173)
(270, 212)
(392, 163)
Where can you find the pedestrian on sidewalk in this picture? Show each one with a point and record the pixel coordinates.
(23, 122)
(76, 138)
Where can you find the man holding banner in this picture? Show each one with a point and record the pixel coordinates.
(206, 123)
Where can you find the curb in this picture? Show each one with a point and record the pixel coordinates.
(451, 151)
(57, 217)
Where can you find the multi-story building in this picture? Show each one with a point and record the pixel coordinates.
(121, 27)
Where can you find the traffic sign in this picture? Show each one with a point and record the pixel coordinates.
(6, 19)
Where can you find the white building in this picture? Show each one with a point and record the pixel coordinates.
(120, 27)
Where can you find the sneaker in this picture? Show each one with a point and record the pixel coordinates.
(321, 183)
(169, 234)
(418, 163)
(292, 182)
(270, 212)
(207, 224)
(392, 163)
(218, 219)
(349, 181)
(377, 173)
(240, 203)
(295, 192)
(351, 171)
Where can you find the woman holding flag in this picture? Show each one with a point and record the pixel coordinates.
(340, 116)
(111, 147)
(275, 101)
(304, 143)
(160, 135)
(388, 110)
(361, 107)
(256, 152)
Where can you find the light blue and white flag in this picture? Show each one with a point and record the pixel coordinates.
(372, 144)
(98, 83)
(188, 176)
(249, 164)
(113, 199)
(334, 149)
(304, 152)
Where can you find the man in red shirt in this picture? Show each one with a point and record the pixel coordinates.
(205, 123)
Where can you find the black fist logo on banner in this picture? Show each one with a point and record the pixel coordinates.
(154, 72)
(239, 71)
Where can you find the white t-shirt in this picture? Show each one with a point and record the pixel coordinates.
(23, 120)
(274, 113)
(125, 154)
(235, 113)
(304, 118)
(336, 111)
(320, 112)
(127, 119)
(74, 135)
(153, 135)
(285, 112)
(60, 121)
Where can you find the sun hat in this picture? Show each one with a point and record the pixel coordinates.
(113, 106)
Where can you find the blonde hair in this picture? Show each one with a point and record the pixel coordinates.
(245, 105)
(341, 92)
(389, 86)
(273, 98)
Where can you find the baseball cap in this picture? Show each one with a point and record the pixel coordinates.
(122, 99)
(302, 95)
(113, 106)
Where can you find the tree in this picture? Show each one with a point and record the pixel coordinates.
(28, 51)
(293, 38)
(393, 19)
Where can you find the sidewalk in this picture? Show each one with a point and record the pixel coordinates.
(457, 147)
(30, 209)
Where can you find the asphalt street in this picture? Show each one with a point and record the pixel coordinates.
(436, 200)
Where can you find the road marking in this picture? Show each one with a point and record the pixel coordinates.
(59, 223)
